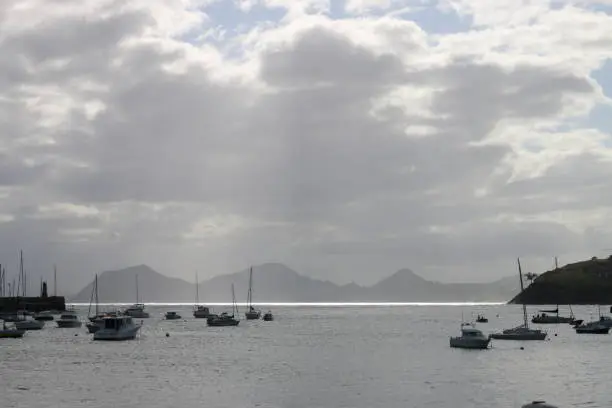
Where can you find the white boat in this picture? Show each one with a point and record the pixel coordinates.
(117, 328)
(69, 319)
(29, 324)
(471, 338)
(522, 332)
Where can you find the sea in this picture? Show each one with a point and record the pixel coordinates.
(324, 356)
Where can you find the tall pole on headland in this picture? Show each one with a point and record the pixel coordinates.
(556, 263)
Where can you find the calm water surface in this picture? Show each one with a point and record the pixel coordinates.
(308, 357)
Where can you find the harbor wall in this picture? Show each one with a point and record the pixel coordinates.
(32, 304)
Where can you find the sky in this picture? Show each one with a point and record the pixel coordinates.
(344, 138)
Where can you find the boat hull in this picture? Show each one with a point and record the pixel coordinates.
(473, 344)
(69, 324)
(43, 318)
(593, 330)
(30, 325)
(552, 320)
(215, 322)
(252, 315)
(11, 334)
(268, 317)
(114, 335)
(519, 336)
(177, 317)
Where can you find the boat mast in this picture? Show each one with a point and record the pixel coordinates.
(522, 288)
(54, 280)
(197, 299)
(136, 288)
(234, 306)
(250, 293)
(97, 300)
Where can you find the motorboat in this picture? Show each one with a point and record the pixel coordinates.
(10, 333)
(69, 319)
(481, 319)
(29, 324)
(137, 310)
(45, 316)
(522, 332)
(592, 328)
(117, 329)
(224, 319)
(471, 338)
(201, 312)
(172, 316)
(268, 317)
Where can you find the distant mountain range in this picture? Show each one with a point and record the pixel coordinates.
(274, 282)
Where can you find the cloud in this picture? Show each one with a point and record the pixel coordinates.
(345, 147)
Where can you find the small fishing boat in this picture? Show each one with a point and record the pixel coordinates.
(268, 317)
(553, 317)
(45, 316)
(10, 333)
(471, 338)
(172, 316)
(137, 310)
(482, 319)
(117, 328)
(69, 319)
(29, 324)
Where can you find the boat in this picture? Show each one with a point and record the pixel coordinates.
(603, 321)
(522, 332)
(471, 338)
(172, 316)
(592, 328)
(481, 319)
(117, 328)
(268, 317)
(137, 310)
(29, 324)
(251, 313)
(44, 316)
(544, 318)
(10, 333)
(199, 311)
(538, 404)
(69, 319)
(225, 319)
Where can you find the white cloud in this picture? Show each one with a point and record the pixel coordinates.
(345, 147)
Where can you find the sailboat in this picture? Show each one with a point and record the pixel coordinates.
(553, 319)
(600, 326)
(522, 332)
(95, 320)
(225, 319)
(137, 309)
(251, 313)
(199, 312)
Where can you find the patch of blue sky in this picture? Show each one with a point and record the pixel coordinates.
(436, 21)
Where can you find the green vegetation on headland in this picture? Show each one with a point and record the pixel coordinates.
(586, 282)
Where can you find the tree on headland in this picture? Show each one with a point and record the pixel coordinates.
(530, 276)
